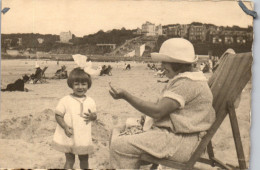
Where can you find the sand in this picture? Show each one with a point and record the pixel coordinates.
(27, 120)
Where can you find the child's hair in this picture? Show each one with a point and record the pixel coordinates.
(78, 75)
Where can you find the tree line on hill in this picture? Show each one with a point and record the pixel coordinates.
(79, 44)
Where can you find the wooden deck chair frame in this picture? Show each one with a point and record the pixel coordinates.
(226, 83)
(41, 76)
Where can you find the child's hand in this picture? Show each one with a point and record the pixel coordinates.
(68, 131)
(90, 116)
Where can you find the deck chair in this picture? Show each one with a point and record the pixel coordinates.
(227, 83)
(40, 77)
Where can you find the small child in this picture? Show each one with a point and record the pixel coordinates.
(74, 114)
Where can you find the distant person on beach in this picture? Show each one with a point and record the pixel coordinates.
(175, 124)
(127, 67)
(106, 70)
(74, 114)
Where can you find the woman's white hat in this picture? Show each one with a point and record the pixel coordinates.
(37, 65)
(176, 50)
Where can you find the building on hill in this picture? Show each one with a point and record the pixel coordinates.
(159, 30)
(65, 37)
(173, 31)
(177, 31)
(20, 42)
(40, 40)
(149, 29)
(197, 33)
(184, 31)
(214, 35)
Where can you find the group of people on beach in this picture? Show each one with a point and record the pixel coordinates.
(174, 123)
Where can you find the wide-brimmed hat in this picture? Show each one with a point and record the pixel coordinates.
(176, 50)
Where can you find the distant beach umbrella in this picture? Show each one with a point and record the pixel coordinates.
(5, 10)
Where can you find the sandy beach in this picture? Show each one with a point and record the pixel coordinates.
(27, 121)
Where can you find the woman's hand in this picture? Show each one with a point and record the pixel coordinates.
(90, 116)
(116, 93)
(68, 131)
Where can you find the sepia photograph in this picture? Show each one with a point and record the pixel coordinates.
(152, 84)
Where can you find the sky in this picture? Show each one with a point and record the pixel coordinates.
(83, 17)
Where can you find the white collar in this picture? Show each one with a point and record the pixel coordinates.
(196, 76)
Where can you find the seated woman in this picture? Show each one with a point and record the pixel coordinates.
(182, 114)
(61, 73)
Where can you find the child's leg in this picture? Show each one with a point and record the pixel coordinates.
(70, 160)
(83, 159)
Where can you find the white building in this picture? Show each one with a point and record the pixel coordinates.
(149, 29)
(65, 37)
(40, 40)
(19, 42)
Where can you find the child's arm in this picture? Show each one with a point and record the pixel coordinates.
(68, 130)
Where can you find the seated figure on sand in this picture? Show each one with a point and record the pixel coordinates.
(37, 71)
(18, 85)
(61, 73)
(106, 70)
(39, 74)
(173, 126)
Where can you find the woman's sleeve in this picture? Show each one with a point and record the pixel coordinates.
(60, 108)
(182, 91)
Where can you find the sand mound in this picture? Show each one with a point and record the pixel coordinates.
(28, 127)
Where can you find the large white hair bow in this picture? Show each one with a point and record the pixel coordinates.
(81, 61)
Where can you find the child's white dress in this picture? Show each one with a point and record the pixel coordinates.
(80, 143)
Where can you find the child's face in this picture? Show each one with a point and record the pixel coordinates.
(80, 88)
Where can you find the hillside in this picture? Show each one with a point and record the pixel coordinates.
(132, 44)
